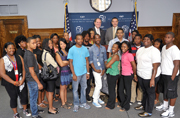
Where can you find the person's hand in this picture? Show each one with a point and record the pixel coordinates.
(172, 79)
(152, 83)
(103, 72)
(40, 86)
(135, 78)
(98, 71)
(74, 77)
(21, 82)
(110, 67)
(87, 76)
(16, 83)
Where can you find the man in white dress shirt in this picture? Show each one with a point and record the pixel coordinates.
(98, 30)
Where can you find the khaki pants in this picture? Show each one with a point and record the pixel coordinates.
(138, 97)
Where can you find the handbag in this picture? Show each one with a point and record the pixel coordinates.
(49, 73)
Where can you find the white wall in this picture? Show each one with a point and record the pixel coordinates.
(50, 13)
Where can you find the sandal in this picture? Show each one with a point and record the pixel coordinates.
(65, 106)
(55, 99)
(42, 105)
(52, 112)
(68, 103)
(121, 109)
(45, 102)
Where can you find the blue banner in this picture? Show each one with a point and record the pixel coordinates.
(80, 22)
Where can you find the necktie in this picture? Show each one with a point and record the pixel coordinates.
(114, 32)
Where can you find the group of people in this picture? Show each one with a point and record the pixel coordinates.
(143, 66)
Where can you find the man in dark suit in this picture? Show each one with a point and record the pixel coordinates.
(111, 32)
(98, 30)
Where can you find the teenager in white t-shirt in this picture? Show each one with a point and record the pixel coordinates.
(170, 75)
(148, 60)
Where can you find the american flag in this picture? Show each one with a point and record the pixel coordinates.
(66, 22)
(133, 26)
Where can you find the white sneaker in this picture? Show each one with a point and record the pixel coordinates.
(139, 102)
(161, 108)
(100, 101)
(97, 105)
(167, 113)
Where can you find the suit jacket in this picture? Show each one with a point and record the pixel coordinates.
(109, 35)
(102, 35)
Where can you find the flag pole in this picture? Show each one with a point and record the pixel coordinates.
(65, 17)
(135, 5)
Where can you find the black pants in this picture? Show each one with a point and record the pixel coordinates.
(14, 92)
(111, 88)
(148, 93)
(125, 97)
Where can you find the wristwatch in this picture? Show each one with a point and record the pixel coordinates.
(88, 73)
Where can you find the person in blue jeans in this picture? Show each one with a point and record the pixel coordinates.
(79, 65)
(32, 74)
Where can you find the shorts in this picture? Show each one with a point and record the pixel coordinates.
(170, 87)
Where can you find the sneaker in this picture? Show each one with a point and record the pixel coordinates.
(96, 105)
(161, 108)
(167, 113)
(139, 108)
(100, 101)
(131, 103)
(139, 102)
(17, 116)
(88, 98)
(40, 111)
(85, 105)
(75, 109)
(26, 112)
(37, 116)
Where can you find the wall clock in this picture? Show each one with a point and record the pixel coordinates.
(100, 5)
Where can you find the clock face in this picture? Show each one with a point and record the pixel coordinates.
(100, 5)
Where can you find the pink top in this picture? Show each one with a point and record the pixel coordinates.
(126, 60)
(55, 49)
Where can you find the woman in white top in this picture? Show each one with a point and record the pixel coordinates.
(148, 71)
(50, 85)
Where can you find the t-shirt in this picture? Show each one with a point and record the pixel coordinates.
(145, 57)
(78, 56)
(30, 61)
(126, 60)
(168, 56)
(87, 46)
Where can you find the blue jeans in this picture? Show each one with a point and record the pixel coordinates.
(83, 82)
(33, 93)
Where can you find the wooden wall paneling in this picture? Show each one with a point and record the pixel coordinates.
(46, 33)
(156, 31)
(176, 28)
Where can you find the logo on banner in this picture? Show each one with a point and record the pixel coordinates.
(103, 18)
(121, 16)
(125, 28)
(79, 30)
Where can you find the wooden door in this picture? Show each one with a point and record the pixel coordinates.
(10, 27)
(176, 28)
